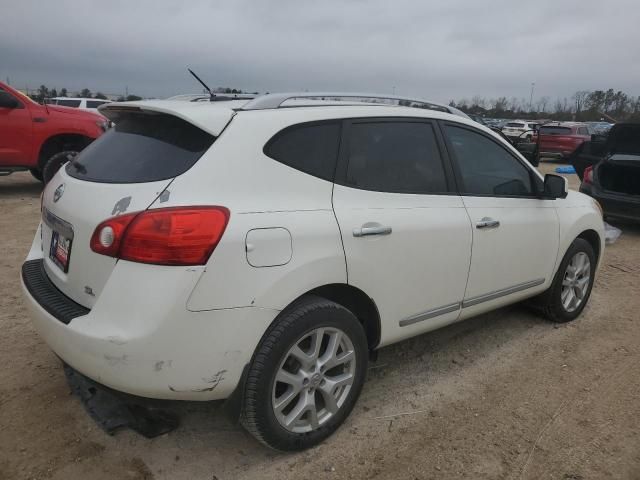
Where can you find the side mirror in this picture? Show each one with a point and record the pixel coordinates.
(7, 100)
(555, 186)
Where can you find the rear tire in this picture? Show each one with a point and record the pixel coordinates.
(54, 163)
(36, 173)
(305, 376)
(571, 287)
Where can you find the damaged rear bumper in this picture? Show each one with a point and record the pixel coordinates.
(143, 341)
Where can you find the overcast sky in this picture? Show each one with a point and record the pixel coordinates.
(437, 50)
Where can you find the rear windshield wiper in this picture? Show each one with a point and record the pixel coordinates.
(78, 166)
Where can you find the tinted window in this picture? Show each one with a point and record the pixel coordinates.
(141, 148)
(583, 131)
(68, 103)
(312, 149)
(94, 103)
(398, 157)
(486, 167)
(515, 125)
(555, 131)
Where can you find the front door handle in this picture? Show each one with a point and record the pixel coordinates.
(371, 229)
(488, 222)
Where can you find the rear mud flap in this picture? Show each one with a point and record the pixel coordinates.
(113, 410)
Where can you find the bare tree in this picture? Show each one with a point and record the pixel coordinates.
(579, 100)
(542, 104)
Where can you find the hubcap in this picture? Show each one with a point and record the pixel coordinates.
(575, 282)
(314, 379)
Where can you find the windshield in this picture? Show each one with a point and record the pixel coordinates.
(515, 125)
(142, 147)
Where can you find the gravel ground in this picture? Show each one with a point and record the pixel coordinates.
(504, 395)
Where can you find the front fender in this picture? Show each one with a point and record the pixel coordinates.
(578, 213)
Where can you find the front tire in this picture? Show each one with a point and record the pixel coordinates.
(305, 376)
(571, 287)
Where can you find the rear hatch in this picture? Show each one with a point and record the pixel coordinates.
(557, 139)
(620, 174)
(125, 170)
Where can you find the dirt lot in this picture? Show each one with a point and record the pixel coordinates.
(505, 395)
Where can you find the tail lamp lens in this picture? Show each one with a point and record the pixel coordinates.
(587, 176)
(164, 236)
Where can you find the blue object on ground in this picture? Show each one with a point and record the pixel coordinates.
(568, 169)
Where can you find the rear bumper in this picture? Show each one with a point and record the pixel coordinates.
(139, 338)
(615, 205)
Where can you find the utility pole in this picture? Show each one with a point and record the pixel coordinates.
(533, 84)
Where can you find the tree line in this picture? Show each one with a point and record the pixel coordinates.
(584, 105)
(44, 92)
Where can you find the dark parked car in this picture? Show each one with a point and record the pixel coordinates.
(609, 168)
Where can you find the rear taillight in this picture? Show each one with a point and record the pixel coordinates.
(163, 236)
(587, 176)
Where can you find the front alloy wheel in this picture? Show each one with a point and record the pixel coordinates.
(576, 281)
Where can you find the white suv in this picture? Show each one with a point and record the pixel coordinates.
(520, 130)
(261, 253)
(90, 104)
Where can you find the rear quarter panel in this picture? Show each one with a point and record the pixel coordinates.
(260, 193)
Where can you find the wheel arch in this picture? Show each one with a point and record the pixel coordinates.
(353, 299)
(59, 143)
(359, 303)
(593, 238)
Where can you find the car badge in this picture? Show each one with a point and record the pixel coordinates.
(58, 193)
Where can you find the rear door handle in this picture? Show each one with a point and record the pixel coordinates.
(488, 222)
(367, 230)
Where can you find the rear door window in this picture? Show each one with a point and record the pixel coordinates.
(309, 147)
(395, 157)
(141, 147)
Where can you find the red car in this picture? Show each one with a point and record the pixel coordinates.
(560, 140)
(39, 138)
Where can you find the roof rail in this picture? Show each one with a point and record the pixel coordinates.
(275, 100)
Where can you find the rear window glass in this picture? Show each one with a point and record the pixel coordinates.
(311, 148)
(555, 131)
(94, 103)
(68, 103)
(141, 147)
(515, 125)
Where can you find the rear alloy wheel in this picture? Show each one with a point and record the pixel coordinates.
(314, 380)
(306, 375)
(571, 287)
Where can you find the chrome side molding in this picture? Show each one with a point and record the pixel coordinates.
(501, 293)
(430, 314)
(436, 312)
